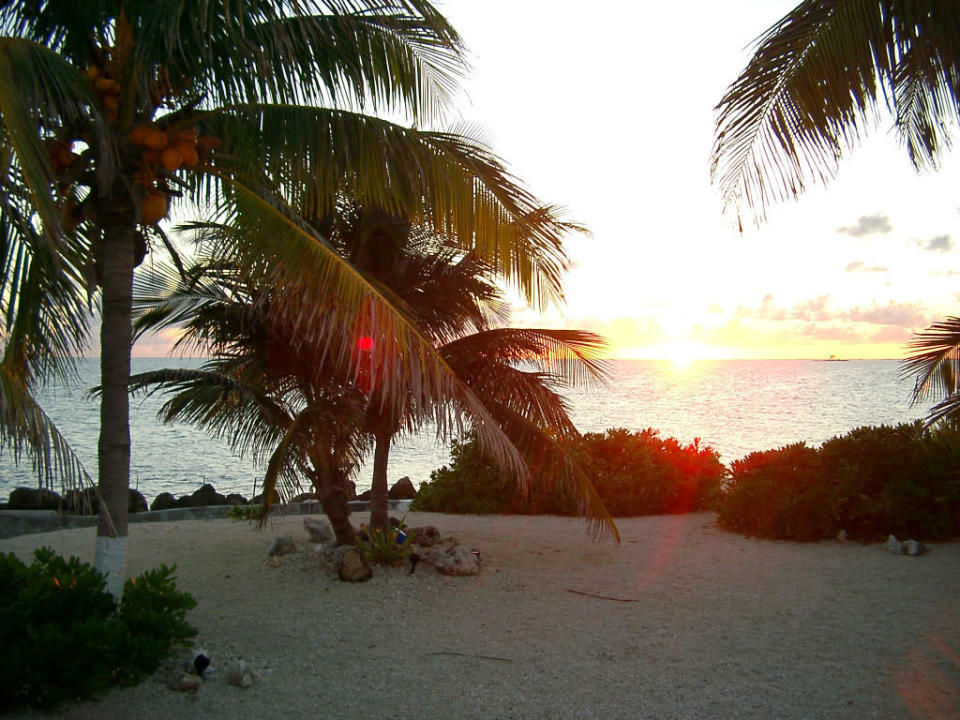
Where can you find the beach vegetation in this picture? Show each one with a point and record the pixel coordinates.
(64, 637)
(385, 547)
(121, 113)
(871, 482)
(633, 473)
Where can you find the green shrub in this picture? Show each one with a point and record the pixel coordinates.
(64, 637)
(871, 482)
(635, 473)
(385, 547)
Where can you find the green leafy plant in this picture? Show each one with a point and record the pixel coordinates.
(385, 547)
(56, 611)
(245, 512)
(870, 482)
(634, 473)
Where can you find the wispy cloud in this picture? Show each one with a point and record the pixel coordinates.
(878, 224)
(860, 266)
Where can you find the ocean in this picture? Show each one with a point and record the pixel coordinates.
(734, 406)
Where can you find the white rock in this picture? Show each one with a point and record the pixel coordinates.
(914, 547)
(319, 530)
(892, 545)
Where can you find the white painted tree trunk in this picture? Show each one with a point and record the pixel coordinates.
(111, 560)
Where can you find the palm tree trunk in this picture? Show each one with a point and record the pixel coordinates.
(116, 263)
(335, 507)
(379, 490)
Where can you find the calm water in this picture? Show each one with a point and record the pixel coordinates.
(736, 406)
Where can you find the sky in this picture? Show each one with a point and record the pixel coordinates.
(607, 109)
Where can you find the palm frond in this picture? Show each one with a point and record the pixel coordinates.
(446, 183)
(933, 360)
(25, 427)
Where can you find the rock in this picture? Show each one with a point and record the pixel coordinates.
(163, 501)
(206, 496)
(236, 499)
(350, 490)
(892, 545)
(136, 502)
(183, 681)
(24, 498)
(913, 547)
(305, 497)
(282, 545)
(258, 499)
(319, 530)
(425, 536)
(365, 495)
(402, 490)
(353, 567)
(240, 674)
(82, 502)
(453, 559)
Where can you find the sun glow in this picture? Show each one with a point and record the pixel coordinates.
(681, 354)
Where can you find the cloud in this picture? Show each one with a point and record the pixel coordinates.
(878, 224)
(938, 243)
(859, 266)
(905, 315)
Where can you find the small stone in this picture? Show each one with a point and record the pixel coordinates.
(183, 681)
(239, 674)
(319, 530)
(282, 545)
(353, 567)
(453, 559)
(425, 536)
(894, 546)
(914, 547)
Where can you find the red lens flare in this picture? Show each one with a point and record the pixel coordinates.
(365, 343)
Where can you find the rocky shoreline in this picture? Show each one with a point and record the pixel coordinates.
(30, 510)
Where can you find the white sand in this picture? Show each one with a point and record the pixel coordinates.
(722, 626)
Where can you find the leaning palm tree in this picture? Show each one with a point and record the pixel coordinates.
(816, 86)
(115, 111)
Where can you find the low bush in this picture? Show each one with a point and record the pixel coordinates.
(635, 473)
(64, 637)
(871, 482)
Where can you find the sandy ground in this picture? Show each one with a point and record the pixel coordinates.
(717, 625)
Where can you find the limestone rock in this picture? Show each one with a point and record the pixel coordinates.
(353, 567)
(402, 490)
(892, 545)
(365, 495)
(425, 536)
(283, 545)
(205, 496)
(305, 497)
(136, 502)
(82, 502)
(453, 559)
(913, 547)
(319, 530)
(163, 501)
(240, 674)
(24, 498)
(258, 499)
(181, 681)
(236, 499)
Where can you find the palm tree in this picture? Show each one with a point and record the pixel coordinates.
(815, 87)
(452, 297)
(114, 110)
(288, 404)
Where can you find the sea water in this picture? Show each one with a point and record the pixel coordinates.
(734, 406)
